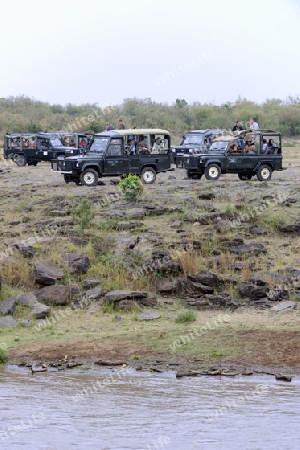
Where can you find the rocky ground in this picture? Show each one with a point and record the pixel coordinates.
(110, 291)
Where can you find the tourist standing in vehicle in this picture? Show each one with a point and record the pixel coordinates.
(253, 125)
(109, 127)
(121, 125)
(238, 127)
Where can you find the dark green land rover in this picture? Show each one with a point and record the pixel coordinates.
(142, 152)
(246, 153)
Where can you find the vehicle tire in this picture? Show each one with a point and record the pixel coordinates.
(20, 160)
(212, 172)
(89, 177)
(264, 173)
(148, 175)
(67, 179)
(244, 176)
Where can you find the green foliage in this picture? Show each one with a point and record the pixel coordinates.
(3, 356)
(131, 186)
(83, 214)
(230, 209)
(23, 114)
(186, 316)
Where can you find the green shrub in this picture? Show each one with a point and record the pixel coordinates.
(83, 214)
(187, 316)
(131, 186)
(3, 356)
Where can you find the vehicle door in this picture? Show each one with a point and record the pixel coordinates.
(29, 149)
(233, 162)
(253, 154)
(116, 161)
(161, 158)
(43, 150)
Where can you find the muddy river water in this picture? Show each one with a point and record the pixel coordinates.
(104, 409)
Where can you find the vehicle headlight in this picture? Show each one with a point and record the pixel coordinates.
(77, 164)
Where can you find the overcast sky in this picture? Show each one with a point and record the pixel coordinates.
(103, 51)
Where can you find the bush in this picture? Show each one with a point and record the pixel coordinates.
(131, 186)
(187, 316)
(3, 356)
(83, 213)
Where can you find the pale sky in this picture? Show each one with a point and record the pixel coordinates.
(103, 51)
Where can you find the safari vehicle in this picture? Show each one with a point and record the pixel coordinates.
(245, 153)
(32, 148)
(195, 141)
(117, 153)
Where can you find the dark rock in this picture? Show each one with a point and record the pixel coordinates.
(115, 296)
(7, 307)
(282, 377)
(206, 196)
(222, 226)
(252, 291)
(277, 295)
(78, 262)
(57, 295)
(292, 228)
(125, 305)
(210, 218)
(165, 286)
(133, 224)
(148, 314)
(254, 248)
(254, 229)
(94, 294)
(202, 288)
(8, 322)
(210, 301)
(90, 283)
(284, 307)
(186, 373)
(151, 302)
(40, 311)
(47, 275)
(26, 299)
(102, 362)
(26, 249)
(206, 277)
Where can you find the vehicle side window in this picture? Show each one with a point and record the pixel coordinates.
(14, 143)
(114, 150)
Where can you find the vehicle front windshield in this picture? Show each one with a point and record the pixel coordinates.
(56, 142)
(193, 139)
(99, 145)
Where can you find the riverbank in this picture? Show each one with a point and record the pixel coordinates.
(249, 341)
(242, 237)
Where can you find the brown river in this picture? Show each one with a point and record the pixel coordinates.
(104, 409)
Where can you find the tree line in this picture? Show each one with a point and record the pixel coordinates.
(26, 115)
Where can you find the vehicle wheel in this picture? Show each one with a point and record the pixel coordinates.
(212, 172)
(20, 160)
(67, 179)
(89, 177)
(148, 175)
(244, 177)
(264, 173)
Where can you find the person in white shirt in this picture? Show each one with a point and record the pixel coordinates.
(253, 125)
